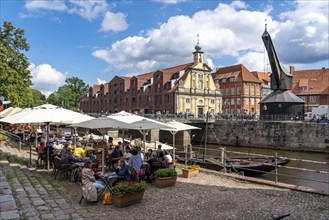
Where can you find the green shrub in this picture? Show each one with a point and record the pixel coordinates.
(192, 167)
(127, 188)
(165, 172)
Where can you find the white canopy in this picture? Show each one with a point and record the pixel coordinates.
(176, 127)
(100, 123)
(41, 115)
(127, 117)
(154, 145)
(10, 111)
(46, 106)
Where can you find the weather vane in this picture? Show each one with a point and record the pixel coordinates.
(265, 23)
(198, 37)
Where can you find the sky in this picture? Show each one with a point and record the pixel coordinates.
(97, 40)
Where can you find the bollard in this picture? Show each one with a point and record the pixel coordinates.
(185, 151)
(276, 167)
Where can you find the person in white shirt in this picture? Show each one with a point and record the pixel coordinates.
(167, 156)
(58, 145)
(127, 154)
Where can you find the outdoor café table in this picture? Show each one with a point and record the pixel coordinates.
(108, 179)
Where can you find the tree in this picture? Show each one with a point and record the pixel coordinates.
(78, 89)
(37, 98)
(15, 78)
(69, 95)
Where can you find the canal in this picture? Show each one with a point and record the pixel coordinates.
(313, 180)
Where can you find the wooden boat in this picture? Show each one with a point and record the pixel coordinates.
(254, 166)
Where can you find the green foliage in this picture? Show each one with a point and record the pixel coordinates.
(127, 188)
(37, 98)
(165, 172)
(15, 78)
(69, 95)
(192, 167)
(2, 137)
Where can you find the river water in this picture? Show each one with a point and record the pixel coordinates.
(313, 180)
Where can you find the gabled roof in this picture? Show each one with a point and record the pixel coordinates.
(262, 76)
(316, 81)
(96, 89)
(235, 71)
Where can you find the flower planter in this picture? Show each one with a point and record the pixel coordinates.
(125, 200)
(188, 173)
(162, 182)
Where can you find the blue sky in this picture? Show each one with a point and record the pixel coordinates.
(96, 40)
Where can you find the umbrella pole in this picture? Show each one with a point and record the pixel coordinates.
(103, 162)
(48, 131)
(173, 144)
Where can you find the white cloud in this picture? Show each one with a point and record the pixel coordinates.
(303, 34)
(46, 78)
(228, 30)
(210, 63)
(254, 61)
(90, 9)
(223, 31)
(48, 5)
(114, 22)
(100, 81)
(170, 1)
(57, 20)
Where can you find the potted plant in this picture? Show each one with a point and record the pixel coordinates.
(128, 193)
(2, 139)
(190, 170)
(165, 177)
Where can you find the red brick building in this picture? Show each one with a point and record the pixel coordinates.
(187, 88)
(312, 86)
(241, 90)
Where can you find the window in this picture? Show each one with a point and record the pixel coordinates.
(257, 91)
(247, 101)
(212, 101)
(187, 100)
(232, 101)
(238, 90)
(232, 91)
(200, 84)
(232, 79)
(312, 98)
(252, 90)
(188, 110)
(252, 101)
(303, 88)
(246, 90)
(223, 80)
(238, 101)
(200, 76)
(227, 91)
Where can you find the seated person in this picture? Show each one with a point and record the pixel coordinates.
(167, 156)
(116, 155)
(139, 150)
(149, 154)
(67, 160)
(127, 154)
(91, 155)
(79, 151)
(41, 151)
(159, 150)
(135, 161)
(123, 170)
(89, 184)
(58, 145)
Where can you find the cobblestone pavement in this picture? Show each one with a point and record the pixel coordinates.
(206, 196)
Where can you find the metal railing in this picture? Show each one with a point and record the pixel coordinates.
(12, 137)
(221, 156)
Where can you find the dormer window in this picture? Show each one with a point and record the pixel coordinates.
(303, 88)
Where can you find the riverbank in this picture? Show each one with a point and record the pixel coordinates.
(285, 135)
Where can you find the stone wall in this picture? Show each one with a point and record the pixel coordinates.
(297, 136)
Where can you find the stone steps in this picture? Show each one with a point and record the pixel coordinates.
(35, 197)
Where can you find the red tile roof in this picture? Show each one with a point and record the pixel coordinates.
(262, 76)
(236, 70)
(316, 81)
